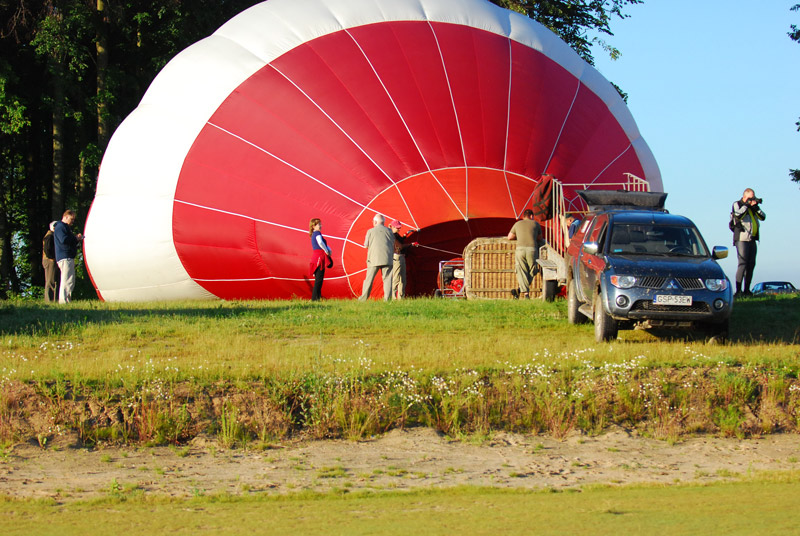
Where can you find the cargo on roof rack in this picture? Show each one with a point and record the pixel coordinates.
(598, 200)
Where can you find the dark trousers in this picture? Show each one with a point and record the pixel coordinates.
(746, 254)
(319, 275)
(50, 283)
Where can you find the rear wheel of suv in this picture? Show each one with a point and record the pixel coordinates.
(574, 316)
(605, 327)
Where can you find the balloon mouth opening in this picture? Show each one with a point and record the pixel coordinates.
(442, 242)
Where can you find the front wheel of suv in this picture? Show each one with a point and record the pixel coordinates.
(605, 327)
(718, 333)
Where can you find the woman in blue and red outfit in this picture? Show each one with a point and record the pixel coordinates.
(320, 257)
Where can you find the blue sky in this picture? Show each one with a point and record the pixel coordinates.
(714, 87)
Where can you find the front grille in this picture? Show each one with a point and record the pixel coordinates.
(657, 282)
(649, 306)
(691, 283)
(652, 282)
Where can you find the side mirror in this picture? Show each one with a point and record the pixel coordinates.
(591, 248)
(719, 252)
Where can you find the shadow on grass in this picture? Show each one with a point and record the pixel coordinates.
(766, 319)
(31, 318)
(763, 319)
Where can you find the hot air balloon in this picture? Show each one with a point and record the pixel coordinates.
(442, 114)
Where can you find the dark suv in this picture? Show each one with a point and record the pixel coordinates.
(632, 263)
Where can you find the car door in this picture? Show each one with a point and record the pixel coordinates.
(591, 264)
(573, 255)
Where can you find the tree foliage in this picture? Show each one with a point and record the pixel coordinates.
(72, 70)
(574, 20)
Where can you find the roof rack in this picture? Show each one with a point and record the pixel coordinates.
(603, 200)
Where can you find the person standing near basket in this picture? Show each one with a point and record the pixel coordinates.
(49, 264)
(527, 233)
(399, 265)
(66, 250)
(320, 257)
(379, 242)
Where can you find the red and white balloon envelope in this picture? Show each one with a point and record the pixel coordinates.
(442, 114)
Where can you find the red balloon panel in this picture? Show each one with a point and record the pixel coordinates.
(542, 95)
(240, 179)
(589, 142)
(406, 57)
(345, 86)
(603, 139)
(297, 135)
(479, 92)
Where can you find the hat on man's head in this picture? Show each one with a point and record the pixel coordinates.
(53, 225)
(396, 224)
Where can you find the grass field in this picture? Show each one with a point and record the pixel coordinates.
(244, 340)
(255, 372)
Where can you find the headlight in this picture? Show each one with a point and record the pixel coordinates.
(716, 284)
(623, 281)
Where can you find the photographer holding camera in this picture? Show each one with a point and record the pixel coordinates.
(746, 215)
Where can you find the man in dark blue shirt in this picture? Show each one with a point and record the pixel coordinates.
(66, 251)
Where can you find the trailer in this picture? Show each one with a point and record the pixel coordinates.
(556, 232)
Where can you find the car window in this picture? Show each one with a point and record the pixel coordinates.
(655, 239)
(596, 233)
(601, 237)
(778, 286)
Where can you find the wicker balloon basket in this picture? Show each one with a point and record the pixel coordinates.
(490, 272)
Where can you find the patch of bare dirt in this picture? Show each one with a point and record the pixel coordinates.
(401, 459)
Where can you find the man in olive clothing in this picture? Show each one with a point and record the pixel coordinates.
(49, 264)
(527, 233)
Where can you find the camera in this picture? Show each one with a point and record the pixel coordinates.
(757, 200)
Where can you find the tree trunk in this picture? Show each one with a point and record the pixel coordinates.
(6, 256)
(103, 127)
(57, 198)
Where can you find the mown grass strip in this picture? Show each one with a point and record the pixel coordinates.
(758, 506)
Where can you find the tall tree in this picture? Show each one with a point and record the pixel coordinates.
(18, 86)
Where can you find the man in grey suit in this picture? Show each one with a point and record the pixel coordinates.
(380, 251)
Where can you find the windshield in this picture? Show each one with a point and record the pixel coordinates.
(651, 239)
(778, 286)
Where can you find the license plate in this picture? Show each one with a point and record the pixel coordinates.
(669, 299)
